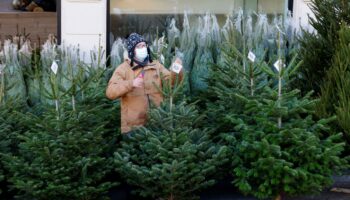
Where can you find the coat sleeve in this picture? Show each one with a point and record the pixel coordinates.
(117, 85)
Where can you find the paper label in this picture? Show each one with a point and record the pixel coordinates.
(54, 67)
(279, 64)
(162, 59)
(251, 56)
(176, 67)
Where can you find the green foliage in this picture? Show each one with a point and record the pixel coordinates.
(334, 95)
(65, 155)
(10, 127)
(279, 148)
(61, 146)
(198, 42)
(172, 157)
(292, 159)
(228, 79)
(317, 48)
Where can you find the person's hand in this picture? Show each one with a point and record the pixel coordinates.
(138, 82)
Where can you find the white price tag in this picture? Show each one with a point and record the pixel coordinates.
(251, 56)
(176, 67)
(161, 41)
(279, 64)
(54, 67)
(162, 59)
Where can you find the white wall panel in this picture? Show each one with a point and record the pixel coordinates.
(84, 23)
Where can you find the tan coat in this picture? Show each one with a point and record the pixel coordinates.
(136, 101)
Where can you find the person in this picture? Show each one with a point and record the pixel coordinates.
(137, 82)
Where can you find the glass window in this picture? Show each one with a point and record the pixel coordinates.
(149, 17)
(272, 6)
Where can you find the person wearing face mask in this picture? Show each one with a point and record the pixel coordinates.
(136, 82)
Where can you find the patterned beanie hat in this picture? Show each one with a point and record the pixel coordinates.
(131, 42)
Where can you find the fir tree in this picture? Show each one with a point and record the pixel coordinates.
(10, 127)
(234, 74)
(10, 124)
(12, 84)
(318, 48)
(171, 157)
(207, 40)
(66, 151)
(279, 148)
(334, 95)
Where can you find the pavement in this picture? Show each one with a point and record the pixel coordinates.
(226, 192)
(223, 190)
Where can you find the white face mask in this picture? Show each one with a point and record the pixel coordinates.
(141, 54)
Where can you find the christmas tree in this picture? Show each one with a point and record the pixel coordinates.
(171, 157)
(318, 48)
(334, 95)
(10, 127)
(12, 83)
(12, 102)
(279, 147)
(236, 73)
(66, 151)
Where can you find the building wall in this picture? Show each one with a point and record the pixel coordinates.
(84, 23)
(301, 11)
(272, 6)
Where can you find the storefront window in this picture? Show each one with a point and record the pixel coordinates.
(149, 17)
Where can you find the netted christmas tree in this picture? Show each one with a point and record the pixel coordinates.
(207, 40)
(319, 46)
(12, 85)
(280, 149)
(200, 39)
(171, 157)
